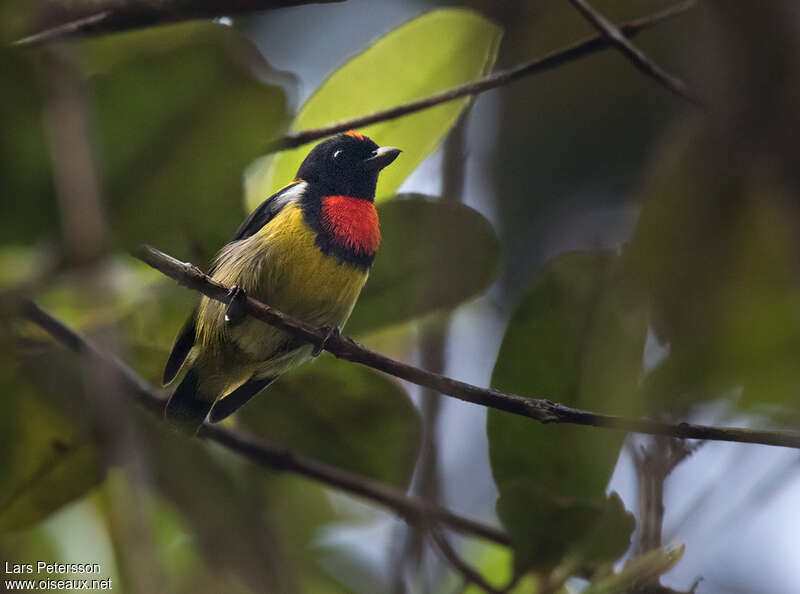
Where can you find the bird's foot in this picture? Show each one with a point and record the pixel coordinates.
(331, 331)
(234, 313)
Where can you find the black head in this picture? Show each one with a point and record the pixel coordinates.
(346, 165)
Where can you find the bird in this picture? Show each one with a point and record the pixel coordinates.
(307, 251)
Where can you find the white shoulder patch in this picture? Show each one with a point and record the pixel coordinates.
(292, 194)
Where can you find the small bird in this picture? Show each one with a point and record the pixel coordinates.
(307, 251)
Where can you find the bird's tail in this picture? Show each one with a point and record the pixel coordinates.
(187, 408)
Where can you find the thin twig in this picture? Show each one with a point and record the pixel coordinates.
(263, 453)
(619, 39)
(469, 574)
(540, 409)
(570, 53)
(111, 16)
(65, 29)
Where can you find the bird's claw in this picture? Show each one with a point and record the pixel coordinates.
(234, 312)
(332, 331)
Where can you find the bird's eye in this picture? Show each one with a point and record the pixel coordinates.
(338, 154)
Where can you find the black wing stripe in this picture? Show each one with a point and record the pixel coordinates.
(229, 404)
(183, 344)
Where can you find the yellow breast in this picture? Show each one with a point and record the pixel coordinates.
(282, 266)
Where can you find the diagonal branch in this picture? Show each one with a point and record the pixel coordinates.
(577, 50)
(618, 39)
(90, 17)
(540, 409)
(265, 454)
(470, 574)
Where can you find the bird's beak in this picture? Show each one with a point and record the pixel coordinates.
(381, 157)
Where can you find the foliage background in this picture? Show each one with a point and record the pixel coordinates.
(580, 234)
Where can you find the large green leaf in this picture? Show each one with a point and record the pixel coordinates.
(178, 113)
(431, 53)
(344, 414)
(433, 255)
(578, 338)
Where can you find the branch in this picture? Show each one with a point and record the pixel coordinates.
(261, 452)
(540, 409)
(618, 39)
(470, 575)
(654, 464)
(84, 17)
(570, 53)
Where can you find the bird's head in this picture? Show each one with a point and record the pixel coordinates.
(346, 165)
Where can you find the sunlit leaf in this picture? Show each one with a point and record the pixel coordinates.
(577, 338)
(495, 563)
(433, 52)
(434, 255)
(343, 414)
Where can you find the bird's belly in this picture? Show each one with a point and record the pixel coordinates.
(297, 278)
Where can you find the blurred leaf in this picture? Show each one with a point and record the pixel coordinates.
(610, 534)
(569, 144)
(638, 571)
(434, 255)
(230, 524)
(17, 18)
(28, 208)
(19, 264)
(47, 459)
(431, 53)
(253, 529)
(346, 415)
(178, 114)
(113, 288)
(495, 564)
(715, 248)
(69, 472)
(578, 338)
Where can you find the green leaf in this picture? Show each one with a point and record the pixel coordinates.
(495, 564)
(578, 338)
(431, 53)
(344, 414)
(48, 460)
(178, 114)
(67, 474)
(434, 255)
(715, 248)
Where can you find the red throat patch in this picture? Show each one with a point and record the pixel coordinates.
(352, 223)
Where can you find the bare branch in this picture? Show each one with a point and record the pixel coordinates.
(263, 453)
(577, 50)
(619, 40)
(89, 17)
(65, 29)
(540, 409)
(66, 117)
(469, 574)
